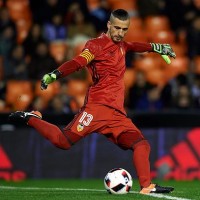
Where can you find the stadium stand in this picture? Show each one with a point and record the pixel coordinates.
(58, 49)
(19, 94)
(20, 12)
(152, 28)
(46, 95)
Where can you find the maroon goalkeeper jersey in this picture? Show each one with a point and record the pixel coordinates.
(107, 69)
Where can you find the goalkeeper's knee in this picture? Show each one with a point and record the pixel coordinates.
(67, 140)
(142, 144)
(62, 144)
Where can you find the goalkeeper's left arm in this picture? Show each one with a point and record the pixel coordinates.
(163, 49)
(65, 69)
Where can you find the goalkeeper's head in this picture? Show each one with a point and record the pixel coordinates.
(118, 24)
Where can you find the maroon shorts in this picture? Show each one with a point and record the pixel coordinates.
(104, 120)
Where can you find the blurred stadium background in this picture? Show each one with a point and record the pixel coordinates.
(163, 100)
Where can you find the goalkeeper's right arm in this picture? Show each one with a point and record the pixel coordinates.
(49, 78)
(62, 71)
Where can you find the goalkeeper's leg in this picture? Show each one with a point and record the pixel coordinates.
(141, 150)
(61, 139)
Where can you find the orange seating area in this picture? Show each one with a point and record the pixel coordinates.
(157, 23)
(128, 5)
(93, 4)
(46, 95)
(147, 63)
(78, 48)
(76, 87)
(19, 94)
(165, 36)
(158, 72)
(136, 31)
(23, 27)
(19, 9)
(196, 67)
(136, 35)
(180, 49)
(114, 4)
(129, 77)
(157, 77)
(157, 29)
(180, 65)
(1, 68)
(20, 12)
(58, 50)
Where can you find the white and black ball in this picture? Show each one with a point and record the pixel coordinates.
(118, 181)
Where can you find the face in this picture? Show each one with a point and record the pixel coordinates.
(117, 29)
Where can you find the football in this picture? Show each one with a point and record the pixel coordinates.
(118, 181)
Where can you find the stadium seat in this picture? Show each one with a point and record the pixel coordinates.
(18, 9)
(136, 32)
(78, 48)
(180, 65)
(182, 37)
(147, 63)
(196, 65)
(76, 103)
(4, 107)
(156, 23)
(164, 36)
(23, 27)
(48, 94)
(128, 5)
(129, 77)
(1, 68)
(136, 23)
(137, 35)
(156, 76)
(76, 87)
(80, 99)
(179, 49)
(20, 13)
(58, 50)
(93, 4)
(19, 94)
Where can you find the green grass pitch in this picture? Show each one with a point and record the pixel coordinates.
(89, 189)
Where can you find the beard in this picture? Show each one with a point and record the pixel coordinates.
(115, 38)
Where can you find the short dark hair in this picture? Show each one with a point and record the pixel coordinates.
(120, 14)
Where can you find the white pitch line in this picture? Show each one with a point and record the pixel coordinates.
(91, 190)
(162, 196)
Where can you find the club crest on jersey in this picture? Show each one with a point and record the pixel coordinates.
(80, 127)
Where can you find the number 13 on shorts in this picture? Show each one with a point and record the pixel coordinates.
(85, 120)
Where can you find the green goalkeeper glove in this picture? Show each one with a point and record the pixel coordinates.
(163, 49)
(49, 78)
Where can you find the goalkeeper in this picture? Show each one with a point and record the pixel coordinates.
(103, 111)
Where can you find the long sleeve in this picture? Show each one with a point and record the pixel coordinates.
(71, 66)
(138, 46)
